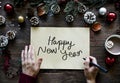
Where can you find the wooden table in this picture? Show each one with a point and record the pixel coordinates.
(61, 76)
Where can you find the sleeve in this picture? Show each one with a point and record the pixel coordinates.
(26, 79)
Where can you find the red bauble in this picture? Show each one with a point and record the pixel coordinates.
(9, 8)
(110, 61)
(111, 16)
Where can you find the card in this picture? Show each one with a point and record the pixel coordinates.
(61, 47)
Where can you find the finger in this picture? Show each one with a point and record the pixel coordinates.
(87, 62)
(26, 54)
(93, 59)
(29, 53)
(93, 68)
(22, 57)
(39, 63)
(32, 54)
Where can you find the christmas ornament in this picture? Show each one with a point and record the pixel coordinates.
(3, 41)
(89, 17)
(55, 8)
(96, 26)
(2, 20)
(9, 8)
(109, 44)
(102, 11)
(69, 18)
(34, 21)
(10, 35)
(110, 61)
(111, 16)
(21, 19)
(40, 10)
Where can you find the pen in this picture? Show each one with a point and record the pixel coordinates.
(98, 66)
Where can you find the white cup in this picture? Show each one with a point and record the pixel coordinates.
(112, 44)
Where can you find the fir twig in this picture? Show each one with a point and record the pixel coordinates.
(69, 7)
(35, 3)
(93, 3)
(72, 7)
(18, 2)
(48, 4)
(102, 3)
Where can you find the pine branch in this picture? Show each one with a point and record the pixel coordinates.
(69, 6)
(35, 3)
(18, 2)
(95, 3)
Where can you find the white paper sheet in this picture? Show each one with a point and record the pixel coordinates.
(61, 47)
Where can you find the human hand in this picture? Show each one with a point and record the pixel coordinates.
(29, 65)
(90, 72)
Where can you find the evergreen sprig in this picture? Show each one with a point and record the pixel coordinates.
(48, 4)
(32, 2)
(72, 7)
(69, 7)
(35, 2)
(93, 3)
(18, 2)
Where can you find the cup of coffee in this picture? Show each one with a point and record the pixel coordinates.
(112, 44)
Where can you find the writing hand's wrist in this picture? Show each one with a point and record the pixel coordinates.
(91, 81)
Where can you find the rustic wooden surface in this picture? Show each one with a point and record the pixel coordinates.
(61, 76)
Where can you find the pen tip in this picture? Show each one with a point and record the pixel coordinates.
(84, 59)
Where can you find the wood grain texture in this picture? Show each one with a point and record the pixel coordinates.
(61, 76)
